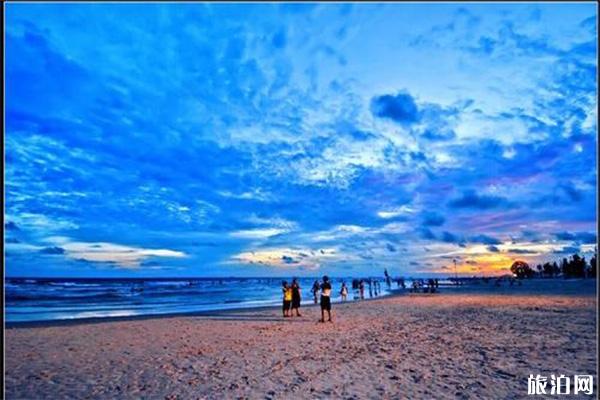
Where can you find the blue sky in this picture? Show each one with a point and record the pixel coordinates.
(298, 139)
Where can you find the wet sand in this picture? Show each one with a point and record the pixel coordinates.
(478, 344)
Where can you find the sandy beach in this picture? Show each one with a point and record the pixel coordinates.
(473, 344)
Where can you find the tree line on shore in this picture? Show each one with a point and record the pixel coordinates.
(575, 266)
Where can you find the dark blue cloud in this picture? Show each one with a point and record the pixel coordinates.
(568, 250)
(426, 233)
(493, 249)
(486, 45)
(52, 250)
(572, 192)
(470, 199)
(399, 108)
(288, 260)
(418, 156)
(579, 237)
(11, 226)
(521, 251)
(531, 236)
(452, 238)
(441, 135)
(433, 219)
(485, 239)
(590, 23)
(361, 135)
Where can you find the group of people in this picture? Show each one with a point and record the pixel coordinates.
(419, 284)
(358, 286)
(318, 287)
(292, 297)
(292, 293)
(321, 291)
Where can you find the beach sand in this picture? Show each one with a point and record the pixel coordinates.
(465, 345)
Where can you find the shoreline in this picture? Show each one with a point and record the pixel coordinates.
(200, 313)
(534, 286)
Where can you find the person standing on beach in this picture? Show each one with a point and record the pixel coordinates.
(431, 285)
(415, 286)
(388, 280)
(295, 297)
(325, 299)
(361, 288)
(344, 291)
(315, 291)
(287, 299)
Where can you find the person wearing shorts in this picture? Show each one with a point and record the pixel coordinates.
(325, 299)
(287, 298)
(296, 298)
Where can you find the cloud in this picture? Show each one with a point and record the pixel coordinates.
(579, 237)
(590, 23)
(568, 250)
(433, 219)
(288, 260)
(258, 233)
(426, 233)
(11, 226)
(52, 250)
(104, 252)
(310, 259)
(296, 138)
(400, 108)
(440, 135)
(470, 199)
(485, 239)
(521, 251)
(395, 212)
(572, 192)
(452, 238)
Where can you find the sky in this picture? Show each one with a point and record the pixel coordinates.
(196, 139)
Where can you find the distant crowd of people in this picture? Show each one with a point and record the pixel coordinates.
(358, 288)
(499, 280)
(419, 285)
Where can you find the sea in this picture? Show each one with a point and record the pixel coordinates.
(51, 299)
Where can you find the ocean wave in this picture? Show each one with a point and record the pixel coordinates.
(50, 299)
(60, 297)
